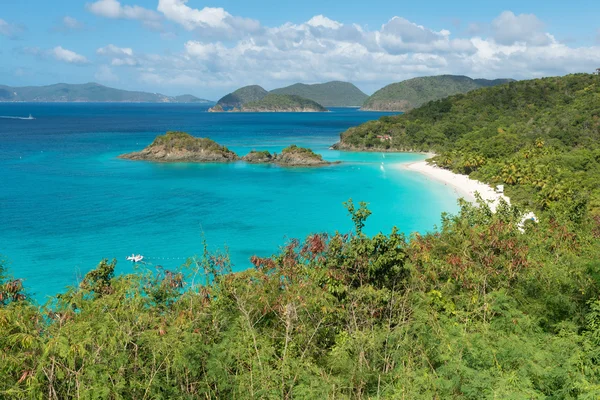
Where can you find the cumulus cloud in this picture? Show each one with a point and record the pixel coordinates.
(230, 51)
(322, 21)
(209, 21)
(68, 56)
(509, 28)
(11, 31)
(112, 50)
(114, 9)
(121, 56)
(400, 35)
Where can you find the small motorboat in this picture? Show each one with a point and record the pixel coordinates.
(134, 258)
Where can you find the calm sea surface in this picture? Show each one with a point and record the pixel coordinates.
(66, 201)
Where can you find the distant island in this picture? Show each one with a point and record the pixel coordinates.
(273, 103)
(330, 94)
(176, 147)
(412, 93)
(282, 103)
(241, 96)
(88, 92)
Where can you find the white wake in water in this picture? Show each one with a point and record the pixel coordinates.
(10, 117)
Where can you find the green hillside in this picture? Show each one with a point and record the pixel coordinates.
(282, 103)
(540, 137)
(330, 94)
(243, 95)
(412, 93)
(88, 92)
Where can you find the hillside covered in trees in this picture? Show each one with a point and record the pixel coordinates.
(476, 310)
(412, 93)
(242, 95)
(282, 103)
(541, 138)
(329, 94)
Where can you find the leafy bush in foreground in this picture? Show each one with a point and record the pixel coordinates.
(476, 310)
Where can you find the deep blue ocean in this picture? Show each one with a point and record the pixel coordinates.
(66, 201)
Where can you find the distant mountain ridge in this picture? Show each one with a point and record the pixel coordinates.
(88, 92)
(412, 93)
(329, 94)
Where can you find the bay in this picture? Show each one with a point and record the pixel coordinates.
(66, 201)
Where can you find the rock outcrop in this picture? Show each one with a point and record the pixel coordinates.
(183, 147)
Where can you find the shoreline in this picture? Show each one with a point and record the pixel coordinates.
(465, 186)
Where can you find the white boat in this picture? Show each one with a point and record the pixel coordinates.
(30, 117)
(135, 258)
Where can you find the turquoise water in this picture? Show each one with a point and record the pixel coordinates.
(66, 201)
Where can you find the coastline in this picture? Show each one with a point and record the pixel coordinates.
(465, 186)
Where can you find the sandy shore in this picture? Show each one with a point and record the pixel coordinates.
(465, 186)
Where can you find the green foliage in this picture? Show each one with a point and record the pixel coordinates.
(540, 138)
(293, 149)
(412, 93)
(243, 95)
(11, 290)
(475, 310)
(330, 94)
(176, 140)
(359, 216)
(282, 102)
(98, 281)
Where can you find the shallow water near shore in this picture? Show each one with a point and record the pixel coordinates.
(66, 201)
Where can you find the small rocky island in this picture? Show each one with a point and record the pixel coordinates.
(174, 147)
(292, 156)
(182, 147)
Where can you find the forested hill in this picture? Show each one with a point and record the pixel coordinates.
(242, 95)
(88, 92)
(282, 103)
(540, 137)
(412, 93)
(330, 94)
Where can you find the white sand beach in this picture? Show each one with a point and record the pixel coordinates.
(465, 186)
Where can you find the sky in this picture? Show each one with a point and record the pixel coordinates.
(210, 48)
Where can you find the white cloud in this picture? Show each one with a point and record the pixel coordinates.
(68, 56)
(230, 51)
(11, 31)
(322, 21)
(509, 28)
(112, 50)
(121, 56)
(114, 9)
(209, 20)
